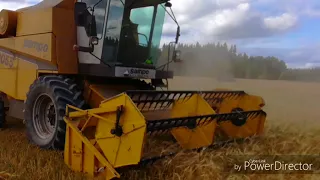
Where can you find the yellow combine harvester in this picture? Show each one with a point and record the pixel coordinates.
(76, 71)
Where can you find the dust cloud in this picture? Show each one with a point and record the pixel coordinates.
(201, 62)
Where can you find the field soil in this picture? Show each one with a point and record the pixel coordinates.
(292, 128)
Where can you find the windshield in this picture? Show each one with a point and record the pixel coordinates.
(143, 18)
(132, 36)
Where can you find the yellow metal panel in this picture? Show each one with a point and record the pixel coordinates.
(201, 136)
(67, 152)
(8, 81)
(126, 149)
(39, 46)
(47, 72)
(8, 43)
(77, 151)
(119, 150)
(88, 161)
(34, 22)
(8, 70)
(64, 29)
(73, 134)
(53, 49)
(254, 124)
(16, 75)
(26, 74)
(67, 4)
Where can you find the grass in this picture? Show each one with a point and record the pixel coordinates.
(292, 128)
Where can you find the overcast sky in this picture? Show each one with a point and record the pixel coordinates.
(288, 29)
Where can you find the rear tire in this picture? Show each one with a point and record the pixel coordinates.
(45, 108)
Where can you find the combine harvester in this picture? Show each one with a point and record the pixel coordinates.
(76, 73)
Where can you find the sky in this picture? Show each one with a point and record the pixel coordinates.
(287, 29)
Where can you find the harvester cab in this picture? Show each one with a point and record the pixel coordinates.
(124, 35)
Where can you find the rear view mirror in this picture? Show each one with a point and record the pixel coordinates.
(83, 18)
(176, 56)
(81, 13)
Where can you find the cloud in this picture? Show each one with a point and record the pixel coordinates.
(212, 20)
(231, 23)
(280, 23)
(311, 12)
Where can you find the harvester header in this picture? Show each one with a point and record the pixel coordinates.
(114, 134)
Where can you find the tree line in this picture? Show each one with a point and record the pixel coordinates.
(223, 61)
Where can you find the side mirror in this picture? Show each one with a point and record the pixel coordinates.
(83, 18)
(176, 56)
(81, 13)
(178, 35)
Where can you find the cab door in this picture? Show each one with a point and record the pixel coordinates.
(100, 13)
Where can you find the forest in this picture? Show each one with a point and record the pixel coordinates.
(224, 62)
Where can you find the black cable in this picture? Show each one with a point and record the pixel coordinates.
(100, 60)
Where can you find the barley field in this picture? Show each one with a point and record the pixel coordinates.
(292, 128)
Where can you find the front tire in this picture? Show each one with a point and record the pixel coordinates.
(45, 108)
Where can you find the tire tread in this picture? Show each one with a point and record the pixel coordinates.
(64, 91)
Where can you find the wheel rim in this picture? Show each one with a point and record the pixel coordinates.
(44, 116)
